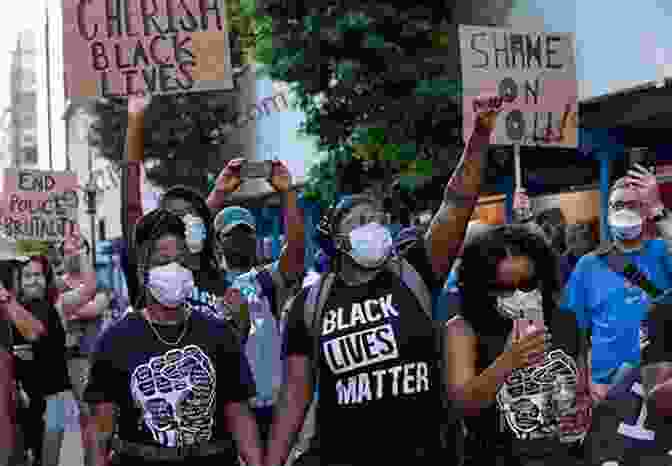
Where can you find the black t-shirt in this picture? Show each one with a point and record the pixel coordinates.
(624, 431)
(522, 422)
(169, 396)
(659, 327)
(44, 356)
(378, 369)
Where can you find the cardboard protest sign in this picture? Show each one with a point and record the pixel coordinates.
(535, 73)
(121, 47)
(39, 205)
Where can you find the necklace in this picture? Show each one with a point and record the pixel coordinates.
(158, 335)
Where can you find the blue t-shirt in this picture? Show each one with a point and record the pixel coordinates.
(613, 308)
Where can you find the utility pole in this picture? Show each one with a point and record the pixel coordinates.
(91, 191)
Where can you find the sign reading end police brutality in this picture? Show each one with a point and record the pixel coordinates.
(117, 48)
(39, 205)
(534, 72)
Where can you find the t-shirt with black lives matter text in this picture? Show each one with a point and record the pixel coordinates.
(170, 396)
(379, 377)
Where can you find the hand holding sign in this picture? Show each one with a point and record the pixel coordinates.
(229, 178)
(137, 104)
(488, 109)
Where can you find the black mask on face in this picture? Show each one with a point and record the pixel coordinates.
(240, 251)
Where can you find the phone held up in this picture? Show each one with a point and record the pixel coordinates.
(253, 169)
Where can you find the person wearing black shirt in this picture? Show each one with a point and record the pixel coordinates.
(177, 378)
(503, 368)
(44, 420)
(13, 318)
(373, 344)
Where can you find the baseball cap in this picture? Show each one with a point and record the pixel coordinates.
(233, 216)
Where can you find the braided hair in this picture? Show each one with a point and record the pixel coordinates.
(151, 227)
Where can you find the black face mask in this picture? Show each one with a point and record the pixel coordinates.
(240, 251)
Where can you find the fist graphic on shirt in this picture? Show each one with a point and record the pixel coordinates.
(176, 393)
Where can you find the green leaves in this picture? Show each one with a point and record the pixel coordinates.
(438, 88)
(388, 93)
(353, 22)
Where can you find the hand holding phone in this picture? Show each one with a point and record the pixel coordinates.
(252, 169)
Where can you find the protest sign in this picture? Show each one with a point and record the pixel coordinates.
(117, 48)
(39, 205)
(535, 73)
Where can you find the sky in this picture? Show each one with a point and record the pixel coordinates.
(617, 46)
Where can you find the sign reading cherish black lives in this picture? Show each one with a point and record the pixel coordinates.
(117, 48)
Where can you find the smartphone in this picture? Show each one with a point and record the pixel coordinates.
(262, 169)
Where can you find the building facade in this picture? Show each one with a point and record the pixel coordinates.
(23, 88)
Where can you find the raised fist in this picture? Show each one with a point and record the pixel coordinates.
(176, 393)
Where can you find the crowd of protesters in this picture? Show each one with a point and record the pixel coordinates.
(465, 343)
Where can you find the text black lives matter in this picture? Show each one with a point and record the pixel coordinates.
(163, 64)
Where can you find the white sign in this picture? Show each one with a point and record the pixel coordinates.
(535, 73)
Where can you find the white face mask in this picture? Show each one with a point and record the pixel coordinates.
(625, 224)
(196, 233)
(371, 245)
(521, 305)
(170, 284)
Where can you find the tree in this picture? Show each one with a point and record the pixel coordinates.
(378, 81)
(186, 135)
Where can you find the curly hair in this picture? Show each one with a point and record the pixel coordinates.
(479, 266)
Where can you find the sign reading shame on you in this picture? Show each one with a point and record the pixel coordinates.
(117, 48)
(39, 205)
(534, 72)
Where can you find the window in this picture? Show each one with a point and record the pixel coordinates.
(28, 140)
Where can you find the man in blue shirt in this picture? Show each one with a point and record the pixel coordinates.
(610, 307)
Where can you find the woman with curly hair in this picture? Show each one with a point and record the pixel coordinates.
(504, 368)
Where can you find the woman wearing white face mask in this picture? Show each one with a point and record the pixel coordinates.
(502, 367)
(182, 373)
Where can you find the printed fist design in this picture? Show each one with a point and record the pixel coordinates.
(526, 397)
(176, 393)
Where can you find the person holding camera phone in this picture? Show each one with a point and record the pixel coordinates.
(257, 293)
(609, 301)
